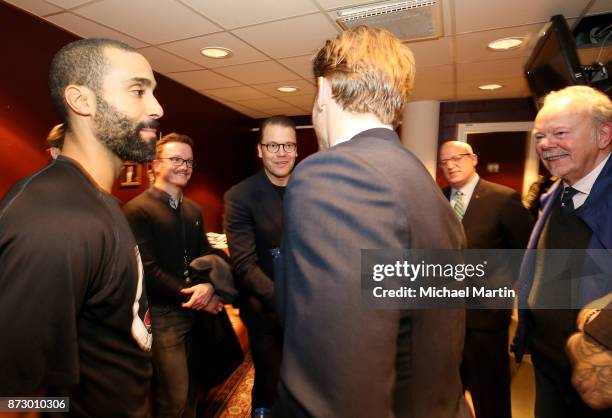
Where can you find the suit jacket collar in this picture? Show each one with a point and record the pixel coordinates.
(381, 133)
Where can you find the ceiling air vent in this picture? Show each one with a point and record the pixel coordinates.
(409, 20)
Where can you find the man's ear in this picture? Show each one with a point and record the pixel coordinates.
(324, 92)
(475, 159)
(604, 135)
(80, 99)
(259, 154)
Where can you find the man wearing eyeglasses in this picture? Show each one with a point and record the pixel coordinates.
(253, 223)
(493, 217)
(169, 229)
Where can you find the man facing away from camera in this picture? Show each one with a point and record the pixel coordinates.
(72, 304)
(364, 190)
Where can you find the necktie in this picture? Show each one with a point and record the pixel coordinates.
(458, 208)
(567, 203)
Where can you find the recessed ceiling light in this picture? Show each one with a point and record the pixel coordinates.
(216, 52)
(505, 44)
(490, 86)
(287, 89)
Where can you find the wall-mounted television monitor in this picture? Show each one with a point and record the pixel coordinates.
(554, 63)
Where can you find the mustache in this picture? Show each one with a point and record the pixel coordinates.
(151, 124)
(554, 153)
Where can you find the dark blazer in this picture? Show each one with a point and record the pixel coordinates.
(595, 212)
(253, 220)
(340, 358)
(495, 219)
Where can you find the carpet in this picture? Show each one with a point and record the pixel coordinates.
(231, 399)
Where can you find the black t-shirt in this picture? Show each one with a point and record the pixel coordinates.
(73, 310)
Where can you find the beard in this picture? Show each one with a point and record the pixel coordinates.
(121, 135)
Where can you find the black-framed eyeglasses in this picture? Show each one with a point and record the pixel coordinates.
(178, 161)
(273, 147)
(455, 159)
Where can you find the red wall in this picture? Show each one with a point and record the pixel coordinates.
(224, 148)
(511, 156)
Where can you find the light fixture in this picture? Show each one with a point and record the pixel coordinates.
(216, 52)
(505, 44)
(490, 86)
(287, 89)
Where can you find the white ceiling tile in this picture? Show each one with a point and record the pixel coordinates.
(258, 72)
(190, 49)
(490, 71)
(264, 103)
(304, 88)
(163, 62)
(37, 7)
(245, 110)
(290, 37)
(479, 15)
(438, 91)
(87, 29)
(153, 21)
(67, 4)
(303, 102)
(433, 52)
(301, 65)
(235, 93)
(473, 46)
(334, 4)
(426, 76)
(287, 110)
(601, 6)
(511, 89)
(237, 13)
(202, 80)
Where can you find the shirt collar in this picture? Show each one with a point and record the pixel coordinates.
(166, 198)
(468, 188)
(585, 184)
(361, 128)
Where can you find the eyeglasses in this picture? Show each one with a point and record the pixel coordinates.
(178, 161)
(455, 159)
(273, 147)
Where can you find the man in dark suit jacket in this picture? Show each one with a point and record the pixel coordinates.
(253, 222)
(341, 358)
(493, 217)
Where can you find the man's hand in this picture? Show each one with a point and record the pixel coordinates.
(214, 306)
(592, 370)
(201, 295)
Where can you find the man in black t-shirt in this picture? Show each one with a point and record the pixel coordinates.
(169, 229)
(73, 311)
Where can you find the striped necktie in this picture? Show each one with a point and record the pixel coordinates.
(458, 208)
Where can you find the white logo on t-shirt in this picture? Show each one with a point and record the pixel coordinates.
(141, 322)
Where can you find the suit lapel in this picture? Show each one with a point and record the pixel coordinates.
(473, 206)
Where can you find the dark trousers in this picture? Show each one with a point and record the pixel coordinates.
(485, 371)
(266, 348)
(173, 389)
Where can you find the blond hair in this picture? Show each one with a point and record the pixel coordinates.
(370, 71)
(597, 103)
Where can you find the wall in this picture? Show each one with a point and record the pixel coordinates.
(224, 146)
(481, 111)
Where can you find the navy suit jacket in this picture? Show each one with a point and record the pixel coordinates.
(595, 212)
(341, 358)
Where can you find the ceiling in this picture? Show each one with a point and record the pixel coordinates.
(273, 42)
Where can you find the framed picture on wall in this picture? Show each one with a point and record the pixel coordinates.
(131, 175)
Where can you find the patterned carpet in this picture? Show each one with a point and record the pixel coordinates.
(232, 399)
